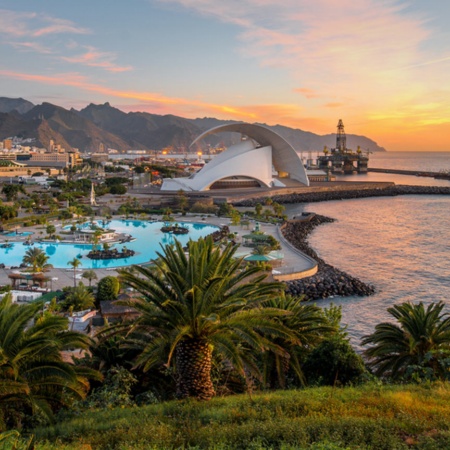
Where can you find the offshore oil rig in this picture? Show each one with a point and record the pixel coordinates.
(342, 159)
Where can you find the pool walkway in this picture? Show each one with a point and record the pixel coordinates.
(294, 265)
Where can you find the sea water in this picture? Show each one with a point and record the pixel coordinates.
(401, 245)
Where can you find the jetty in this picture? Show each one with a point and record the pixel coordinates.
(439, 175)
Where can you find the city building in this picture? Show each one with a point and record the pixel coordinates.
(262, 159)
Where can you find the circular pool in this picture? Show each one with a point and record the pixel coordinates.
(147, 236)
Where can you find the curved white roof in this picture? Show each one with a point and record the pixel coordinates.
(284, 157)
(253, 158)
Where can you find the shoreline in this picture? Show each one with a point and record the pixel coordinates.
(330, 195)
(328, 281)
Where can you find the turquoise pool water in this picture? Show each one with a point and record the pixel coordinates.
(19, 233)
(148, 241)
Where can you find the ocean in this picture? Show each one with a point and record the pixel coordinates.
(401, 245)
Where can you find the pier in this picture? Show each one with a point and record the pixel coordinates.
(439, 175)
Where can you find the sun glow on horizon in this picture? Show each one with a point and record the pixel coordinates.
(381, 67)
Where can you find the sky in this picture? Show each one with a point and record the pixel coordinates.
(382, 66)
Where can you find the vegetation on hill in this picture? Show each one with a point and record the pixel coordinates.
(371, 417)
(203, 324)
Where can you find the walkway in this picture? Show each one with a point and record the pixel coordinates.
(295, 265)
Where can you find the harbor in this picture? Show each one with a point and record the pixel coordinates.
(442, 175)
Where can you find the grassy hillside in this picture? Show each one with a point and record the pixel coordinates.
(368, 417)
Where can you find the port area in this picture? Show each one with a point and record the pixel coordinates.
(439, 175)
(237, 195)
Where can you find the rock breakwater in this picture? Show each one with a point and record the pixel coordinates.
(328, 281)
(345, 194)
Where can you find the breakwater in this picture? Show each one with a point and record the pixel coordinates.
(351, 193)
(328, 281)
(417, 173)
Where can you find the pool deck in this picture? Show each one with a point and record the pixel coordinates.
(294, 264)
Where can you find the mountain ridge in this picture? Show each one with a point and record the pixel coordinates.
(104, 124)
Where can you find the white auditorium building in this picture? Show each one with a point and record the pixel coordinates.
(263, 159)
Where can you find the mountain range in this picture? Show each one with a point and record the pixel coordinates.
(104, 124)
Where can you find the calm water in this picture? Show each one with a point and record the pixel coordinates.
(148, 239)
(401, 245)
(426, 161)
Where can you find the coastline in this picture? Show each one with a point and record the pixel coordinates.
(328, 281)
(329, 195)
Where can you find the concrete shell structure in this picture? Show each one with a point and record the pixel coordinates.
(251, 159)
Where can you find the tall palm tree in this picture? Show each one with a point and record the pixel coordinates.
(421, 339)
(199, 304)
(75, 263)
(90, 275)
(33, 375)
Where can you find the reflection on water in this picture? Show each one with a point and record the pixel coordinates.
(398, 244)
(50, 250)
(417, 161)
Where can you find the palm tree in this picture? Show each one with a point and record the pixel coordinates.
(41, 264)
(75, 263)
(96, 239)
(33, 375)
(198, 304)
(261, 249)
(309, 326)
(36, 258)
(90, 275)
(421, 339)
(79, 298)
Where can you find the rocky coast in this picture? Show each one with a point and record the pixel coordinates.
(328, 281)
(338, 194)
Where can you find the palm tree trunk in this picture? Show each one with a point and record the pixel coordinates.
(193, 360)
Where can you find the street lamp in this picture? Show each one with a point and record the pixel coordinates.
(51, 282)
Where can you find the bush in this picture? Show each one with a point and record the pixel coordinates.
(117, 189)
(115, 391)
(203, 208)
(334, 361)
(108, 289)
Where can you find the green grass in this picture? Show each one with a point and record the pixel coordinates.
(369, 417)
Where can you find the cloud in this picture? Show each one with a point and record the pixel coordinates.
(151, 101)
(59, 26)
(366, 57)
(31, 46)
(15, 24)
(31, 24)
(321, 37)
(307, 93)
(95, 58)
(27, 29)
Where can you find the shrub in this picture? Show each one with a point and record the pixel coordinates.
(118, 189)
(108, 289)
(203, 208)
(334, 361)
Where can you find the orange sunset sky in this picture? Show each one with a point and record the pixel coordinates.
(381, 66)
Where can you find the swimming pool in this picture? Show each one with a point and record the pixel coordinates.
(148, 237)
(18, 233)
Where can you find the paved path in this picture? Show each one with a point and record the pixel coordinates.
(294, 262)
